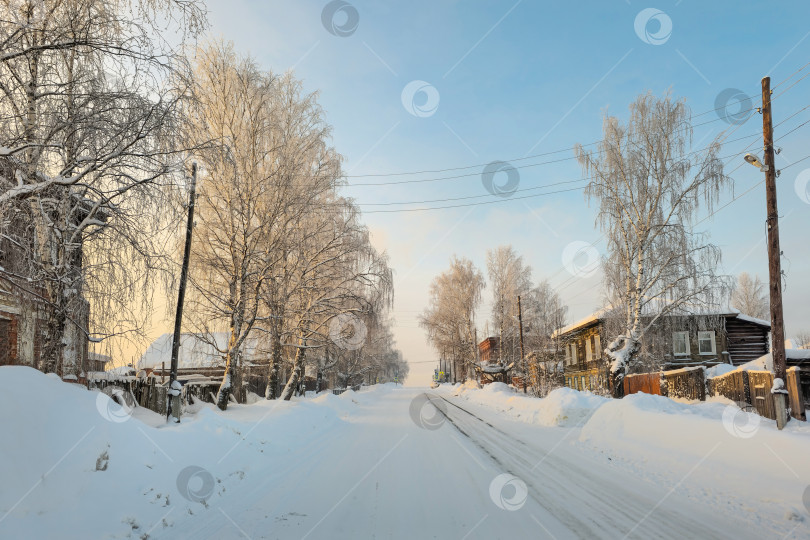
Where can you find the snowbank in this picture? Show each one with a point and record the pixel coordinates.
(734, 444)
(75, 462)
(765, 362)
(562, 407)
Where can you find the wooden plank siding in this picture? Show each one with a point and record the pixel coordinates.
(746, 341)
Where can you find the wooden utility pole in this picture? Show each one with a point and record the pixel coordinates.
(181, 295)
(522, 357)
(774, 258)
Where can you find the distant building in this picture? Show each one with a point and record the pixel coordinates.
(490, 350)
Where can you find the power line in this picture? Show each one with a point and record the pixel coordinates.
(508, 199)
(583, 179)
(554, 152)
(478, 173)
(472, 204)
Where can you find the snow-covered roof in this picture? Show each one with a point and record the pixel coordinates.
(97, 357)
(600, 314)
(744, 317)
(123, 373)
(194, 351)
(582, 323)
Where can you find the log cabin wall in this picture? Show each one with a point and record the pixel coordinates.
(746, 340)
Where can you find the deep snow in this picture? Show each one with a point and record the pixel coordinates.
(360, 465)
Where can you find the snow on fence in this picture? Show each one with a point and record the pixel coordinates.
(338, 391)
(747, 388)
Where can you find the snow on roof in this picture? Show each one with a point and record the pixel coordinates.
(97, 357)
(590, 319)
(761, 322)
(600, 314)
(194, 352)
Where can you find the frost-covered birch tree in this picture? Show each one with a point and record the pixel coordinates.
(750, 296)
(244, 203)
(341, 275)
(449, 319)
(649, 186)
(509, 277)
(87, 120)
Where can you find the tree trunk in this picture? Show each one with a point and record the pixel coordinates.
(295, 376)
(231, 360)
(53, 345)
(622, 352)
(275, 364)
(226, 387)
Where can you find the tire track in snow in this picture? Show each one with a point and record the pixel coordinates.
(606, 509)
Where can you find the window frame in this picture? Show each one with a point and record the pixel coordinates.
(713, 337)
(675, 336)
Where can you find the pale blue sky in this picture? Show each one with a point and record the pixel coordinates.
(523, 78)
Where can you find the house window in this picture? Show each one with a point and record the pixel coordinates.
(582, 385)
(568, 382)
(573, 353)
(680, 343)
(597, 346)
(706, 343)
(588, 356)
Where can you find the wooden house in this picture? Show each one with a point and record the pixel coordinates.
(674, 342)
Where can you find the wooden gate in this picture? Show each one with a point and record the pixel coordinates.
(648, 383)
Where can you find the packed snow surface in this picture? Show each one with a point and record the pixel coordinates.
(378, 464)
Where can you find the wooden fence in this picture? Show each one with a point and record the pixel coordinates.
(746, 388)
(796, 394)
(338, 391)
(686, 383)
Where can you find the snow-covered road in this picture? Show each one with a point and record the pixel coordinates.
(391, 474)
(394, 462)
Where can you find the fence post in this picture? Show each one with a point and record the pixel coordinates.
(746, 388)
(794, 388)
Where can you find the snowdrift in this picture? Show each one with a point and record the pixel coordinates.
(562, 407)
(73, 461)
